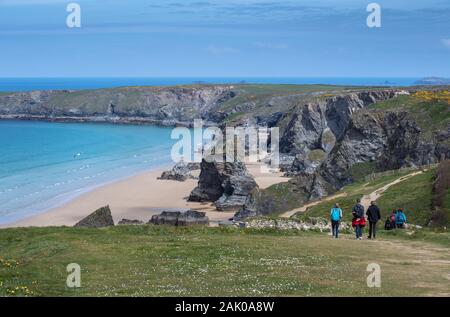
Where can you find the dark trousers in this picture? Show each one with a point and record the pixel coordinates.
(358, 231)
(335, 228)
(372, 229)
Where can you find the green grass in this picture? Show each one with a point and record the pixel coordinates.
(165, 261)
(279, 198)
(359, 170)
(259, 94)
(414, 195)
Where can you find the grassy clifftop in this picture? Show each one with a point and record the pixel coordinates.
(430, 109)
(164, 261)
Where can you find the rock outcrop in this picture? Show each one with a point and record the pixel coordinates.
(226, 184)
(130, 222)
(180, 172)
(100, 218)
(314, 129)
(180, 218)
(328, 139)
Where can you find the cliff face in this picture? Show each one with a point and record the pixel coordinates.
(167, 106)
(329, 140)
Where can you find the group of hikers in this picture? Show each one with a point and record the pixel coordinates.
(396, 220)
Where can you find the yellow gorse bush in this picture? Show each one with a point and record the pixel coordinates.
(442, 96)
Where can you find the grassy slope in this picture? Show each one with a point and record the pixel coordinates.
(414, 195)
(430, 116)
(148, 260)
(260, 94)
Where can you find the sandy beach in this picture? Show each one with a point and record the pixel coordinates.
(139, 197)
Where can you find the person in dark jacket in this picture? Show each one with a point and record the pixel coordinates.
(373, 215)
(387, 223)
(358, 215)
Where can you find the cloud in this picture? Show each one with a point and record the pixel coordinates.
(446, 42)
(221, 50)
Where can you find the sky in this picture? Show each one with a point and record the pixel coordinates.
(224, 38)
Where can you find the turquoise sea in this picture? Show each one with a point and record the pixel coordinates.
(43, 164)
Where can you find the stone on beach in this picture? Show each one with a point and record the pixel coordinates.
(100, 218)
(180, 172)
(130, 222)
(179, 218)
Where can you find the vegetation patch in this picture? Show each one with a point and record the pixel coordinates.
(431, 110)
(359, 170)
(165, 261)
(317, 155)
(442, 96)
(280, 197)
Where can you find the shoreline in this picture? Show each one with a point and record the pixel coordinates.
(138, 197)
(70, 197)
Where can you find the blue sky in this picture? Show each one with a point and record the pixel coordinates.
(224, 38)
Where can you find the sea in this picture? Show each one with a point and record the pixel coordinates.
(44, 165)
(29, 84)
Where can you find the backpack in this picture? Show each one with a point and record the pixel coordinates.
(401, 217)
(335, 214)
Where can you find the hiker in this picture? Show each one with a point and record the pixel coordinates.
(387, 223)
(392, 219)
(400, 219)
(335, 216)
(359, 221)
(373, 214)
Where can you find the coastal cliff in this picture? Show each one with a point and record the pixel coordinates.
(164, 106)
(170, 106)
(329, 135)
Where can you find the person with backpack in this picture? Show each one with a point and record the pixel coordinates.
(335, 216)
(373, 214)
(359, 221)
(392, 219)
(387, 223)
(400, 219)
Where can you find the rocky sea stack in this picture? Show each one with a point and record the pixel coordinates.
(180, 218)
(226, 184)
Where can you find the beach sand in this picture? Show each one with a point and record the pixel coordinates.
(139, 197)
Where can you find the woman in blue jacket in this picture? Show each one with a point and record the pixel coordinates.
(400, 218)
(335, 216)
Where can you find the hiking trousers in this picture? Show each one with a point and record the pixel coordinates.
(335, 228)
(358, 231)
(372, 229)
